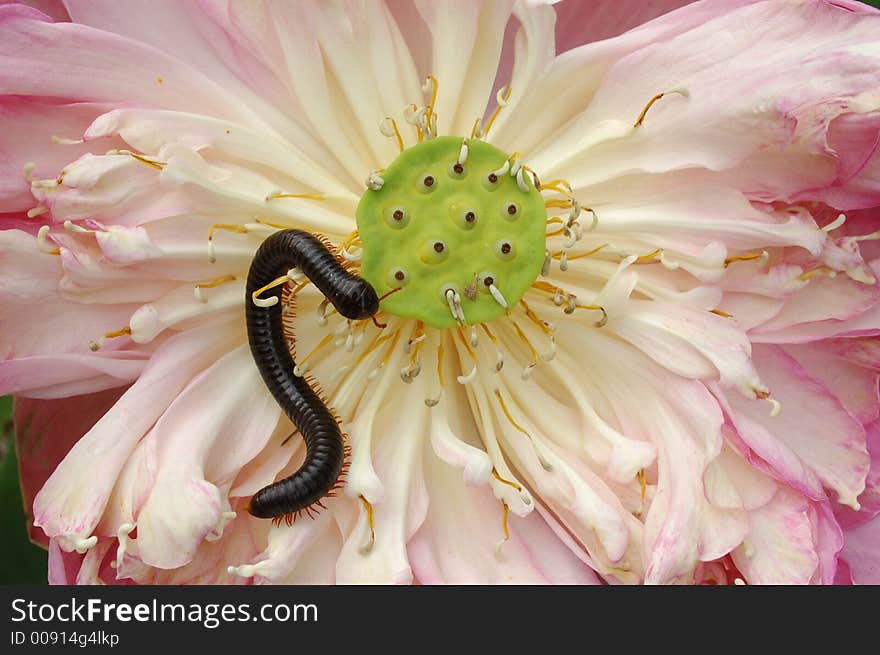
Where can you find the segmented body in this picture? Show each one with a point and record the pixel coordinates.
(353, 298)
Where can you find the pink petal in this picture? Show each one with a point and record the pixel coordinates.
(779, 548)
(38, 58)
(856, 387)
(722, 124)
(579, 22)
(198, 454)
(45, 431)
(28, 126)
(813, 435)
(72, 501)
(533, 554)
(861, 552)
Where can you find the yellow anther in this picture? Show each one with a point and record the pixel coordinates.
(602, 321)
(642, 477)
(118, 333)
(368, 508)
(152, 163)
(440, 363)
(465, 343)
(501, 98)
(509, 483)
(649, 258)
(744, 258)
(504, 517)
(304, 196)
(322, 343)
(557, 203)
(581, 255)
(819, 270)
(216, 282)
(394, 339)
(430, 110)
(641, 118)
(545, 328)
(721, 313)
(376, 343)
(528, 343)
(268, 302)
(477, 129)
(277, 226)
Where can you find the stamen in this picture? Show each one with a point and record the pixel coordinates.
(836, 223)
(388, 127)
(241, 229)
(394, 339)
(548, 259)
(643, 482)
(118, 333)
(413, 346)
(582, 255)
(415, 116)
(273, 300)
(432, 401)
(819, 270)
(501, 98)
(275, 195)
(649, 258)
(763, 256)
(475, 341)
(520, 181)
(61, 141)
(718, 312)
(73, 228)
(641, 118)
(602, 321)
(505, 513)
(775, 405)
(499, 356)
(44, 244)
(302, 367)
(466, 379)
(367, 547)
(376, 343)
(528, 370)
(216, 282)
(477, 129)
(546, 328)
(873, 236)
(152, 163)
(28, 170)
(509, 483)
(39, 210)
(547, 466)
(431, 82)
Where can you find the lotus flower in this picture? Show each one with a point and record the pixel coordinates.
(673, 380)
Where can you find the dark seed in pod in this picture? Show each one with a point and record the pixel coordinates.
(438, 246)
(429, 180)
(398, 215)
(458, 168)
(470, 217)
(511, 209)
(505, 248)
(488, 280)
(493, 178)
(399, 275)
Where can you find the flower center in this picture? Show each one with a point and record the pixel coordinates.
(453, 225)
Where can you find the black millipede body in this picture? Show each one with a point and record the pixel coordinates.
(353, 298)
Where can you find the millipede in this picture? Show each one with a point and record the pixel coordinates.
(353, 298)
